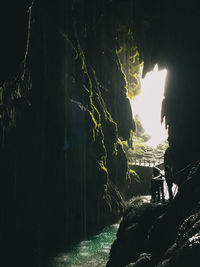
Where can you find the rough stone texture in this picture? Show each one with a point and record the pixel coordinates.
(142, 185)
(185, 250)
(156, 26)
(65, 174)
(163, 235)
(132, 234)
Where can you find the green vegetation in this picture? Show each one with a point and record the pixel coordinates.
(129, 59)
(140, 149)
(134, 173)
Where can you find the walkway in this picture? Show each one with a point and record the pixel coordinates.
(145, 162)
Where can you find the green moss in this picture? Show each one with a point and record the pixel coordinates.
(106, 114)
(134, 173)
(129, 60)
(95, 128)
(106, 194)
(101, 124)
(103, 167)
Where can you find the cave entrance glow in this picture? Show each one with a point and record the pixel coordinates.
(147, 105)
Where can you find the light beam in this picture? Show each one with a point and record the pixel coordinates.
(148, 105)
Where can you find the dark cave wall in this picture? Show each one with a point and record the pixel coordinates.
(84, 105)
(167, 34)
(64, 172)
(15, 140)
(14, 30)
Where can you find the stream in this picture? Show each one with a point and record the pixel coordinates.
(93, 252)
(89, 253)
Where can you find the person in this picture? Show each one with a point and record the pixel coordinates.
(168, 166)
(157, 188)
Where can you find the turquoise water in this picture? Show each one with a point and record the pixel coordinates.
(89, 253)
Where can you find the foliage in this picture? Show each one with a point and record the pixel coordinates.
(140, 149)
(128, 56)
(140, 131)
(163, 146)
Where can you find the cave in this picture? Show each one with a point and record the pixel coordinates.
(65, 109)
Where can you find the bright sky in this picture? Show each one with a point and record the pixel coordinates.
(148, 105)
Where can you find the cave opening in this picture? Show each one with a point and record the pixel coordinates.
(149, 140)
(147, 105)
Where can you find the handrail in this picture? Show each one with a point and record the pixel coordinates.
(158, 177)
(143, 162)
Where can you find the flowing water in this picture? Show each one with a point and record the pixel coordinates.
(93, 252)
(89, 253)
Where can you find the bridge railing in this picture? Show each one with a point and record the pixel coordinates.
(145, 162)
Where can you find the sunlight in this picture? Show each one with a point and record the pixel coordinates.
(148, 105)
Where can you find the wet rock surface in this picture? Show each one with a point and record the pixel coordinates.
(161, 235)
(133, 231)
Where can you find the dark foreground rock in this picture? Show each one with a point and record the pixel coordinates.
(132, 234)
(161, 235)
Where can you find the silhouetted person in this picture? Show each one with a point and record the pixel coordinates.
(157, 188)
(169, 171)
